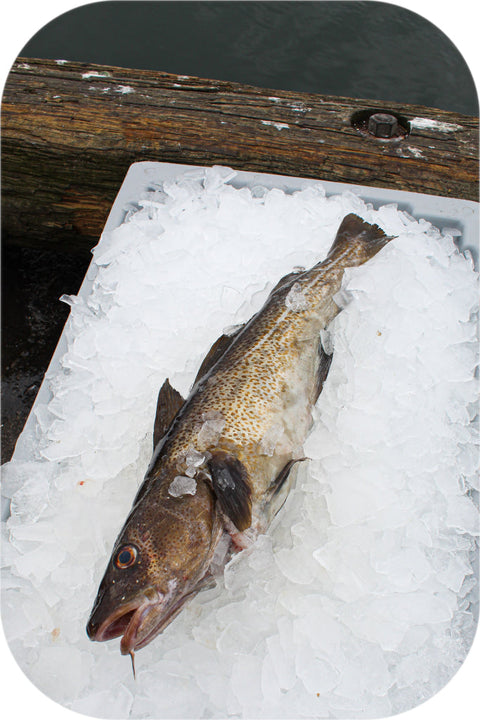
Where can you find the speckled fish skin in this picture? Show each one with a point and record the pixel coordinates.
(243, 424)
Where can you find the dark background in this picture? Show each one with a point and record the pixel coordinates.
(357, 49)
(365, 50)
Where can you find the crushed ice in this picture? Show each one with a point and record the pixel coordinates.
(193, 461)
(296, 301)
(361, 600)
(211, 429)
(182, 485)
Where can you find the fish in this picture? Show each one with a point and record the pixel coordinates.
(225, 458)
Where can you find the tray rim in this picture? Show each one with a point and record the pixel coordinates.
(457, 213)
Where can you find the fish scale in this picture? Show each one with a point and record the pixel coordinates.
(246, 418)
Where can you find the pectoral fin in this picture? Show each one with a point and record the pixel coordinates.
(286, 280)
(231, 487)
(168, 404)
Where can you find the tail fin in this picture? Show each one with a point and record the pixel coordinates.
(357, 240)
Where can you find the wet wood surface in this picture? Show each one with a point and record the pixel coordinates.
(70, 131)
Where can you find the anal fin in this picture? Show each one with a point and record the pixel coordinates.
(280, 487)
(323, 367)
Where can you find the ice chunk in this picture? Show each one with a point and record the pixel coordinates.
(271, 690)
(236, 638)
(246, 682)
(454, 573)
(40, 562)
(182, 485)
(193, 461)
(408, 569)
(16, 621)
(296, 568)
(216, 177)
(217, 563)
(63, 671)
(356, 496)
(463, 514)
(326, 340)
(369, 661)
(112, 703)
(296, 300)
(211, 429)
(317, 675)
(27, 484)
(282, 666)
(271, 439)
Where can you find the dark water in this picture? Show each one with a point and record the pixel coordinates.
(358, 49)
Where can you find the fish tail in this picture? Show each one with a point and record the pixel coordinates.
(357, 241)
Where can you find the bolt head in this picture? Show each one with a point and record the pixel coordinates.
(382, 125)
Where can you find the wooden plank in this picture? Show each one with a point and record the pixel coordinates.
(71, 130)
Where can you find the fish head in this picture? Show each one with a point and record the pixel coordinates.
(159, 560)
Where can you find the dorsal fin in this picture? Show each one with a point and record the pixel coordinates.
(168, 404)
(287, 280)
(215, 353)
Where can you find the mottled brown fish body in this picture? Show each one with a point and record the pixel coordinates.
(267, 380)
(229, 448)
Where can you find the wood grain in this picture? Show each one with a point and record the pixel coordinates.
(70, 131)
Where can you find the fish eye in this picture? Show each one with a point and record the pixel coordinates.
(126, 557)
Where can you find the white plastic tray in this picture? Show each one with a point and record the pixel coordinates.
(462, 215)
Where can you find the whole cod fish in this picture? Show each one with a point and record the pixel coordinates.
(223, 458)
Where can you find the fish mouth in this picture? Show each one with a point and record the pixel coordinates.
(139, 621)
(119, 621)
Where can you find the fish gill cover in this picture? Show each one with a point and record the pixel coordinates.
(361, 599)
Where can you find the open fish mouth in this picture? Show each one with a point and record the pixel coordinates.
(125, 620)
(138, 621)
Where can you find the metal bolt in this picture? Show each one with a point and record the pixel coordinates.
(382, 125)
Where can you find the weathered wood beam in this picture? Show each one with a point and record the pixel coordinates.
(71, 130)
